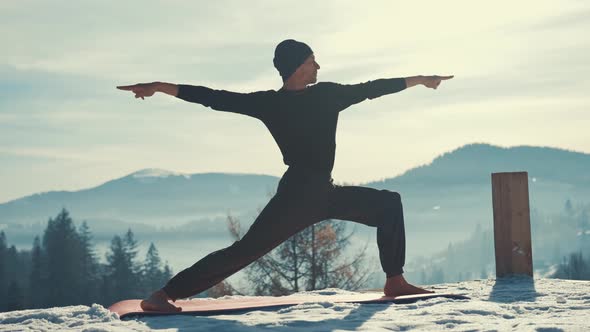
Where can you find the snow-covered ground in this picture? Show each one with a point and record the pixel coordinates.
(516, 303)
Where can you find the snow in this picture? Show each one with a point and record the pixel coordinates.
(516, 303)
(157, 173)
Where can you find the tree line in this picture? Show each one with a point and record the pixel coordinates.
(62, 268)
(561, 245)
(575, 266)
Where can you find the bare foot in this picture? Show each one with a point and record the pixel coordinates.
(396, 286)
(158, 301)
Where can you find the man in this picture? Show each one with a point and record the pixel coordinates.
(302, 119)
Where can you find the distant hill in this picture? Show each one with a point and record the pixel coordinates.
(453, 193)
(447, 197)
(472, 165)
(149, 196)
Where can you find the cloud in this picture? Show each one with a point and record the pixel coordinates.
(110, 38)
(19, 85)
(524, 61)
(48, 154)
(575, 18)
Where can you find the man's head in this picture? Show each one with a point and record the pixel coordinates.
(295, 60)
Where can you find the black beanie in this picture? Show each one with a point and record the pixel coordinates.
(289, 55)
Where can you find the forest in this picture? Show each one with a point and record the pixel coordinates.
(561, 249)
(65, 259)
(63, 269)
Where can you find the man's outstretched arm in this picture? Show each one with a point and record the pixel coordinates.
(220, 100)
(350, 94)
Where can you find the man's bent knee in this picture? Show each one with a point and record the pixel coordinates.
(392, 206)
(391, 198)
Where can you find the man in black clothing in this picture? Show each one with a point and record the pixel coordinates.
(302, 119)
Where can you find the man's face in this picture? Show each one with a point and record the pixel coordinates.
(308, 71)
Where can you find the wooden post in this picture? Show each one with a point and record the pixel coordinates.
(512, 224)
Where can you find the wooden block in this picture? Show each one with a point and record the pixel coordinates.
(512, 225)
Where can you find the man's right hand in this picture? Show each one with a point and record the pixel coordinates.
(434, 81)
(141, 90)
(148, 89)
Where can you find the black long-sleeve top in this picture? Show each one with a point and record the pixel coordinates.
(302, 122)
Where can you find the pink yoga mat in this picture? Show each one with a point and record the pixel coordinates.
(209, 306)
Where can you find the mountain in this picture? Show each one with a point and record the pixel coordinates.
(472, 165)
(447, 197)
(453, 193)
(150, 196)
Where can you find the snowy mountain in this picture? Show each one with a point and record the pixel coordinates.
(449, 196)
(511, 304)
(150, 173)
(148, 196)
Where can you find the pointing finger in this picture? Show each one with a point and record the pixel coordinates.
(125, 87)
(447, 77)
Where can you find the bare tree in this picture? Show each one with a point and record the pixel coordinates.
(311, 259)
(221, 289)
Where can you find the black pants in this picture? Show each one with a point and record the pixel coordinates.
(303, 198)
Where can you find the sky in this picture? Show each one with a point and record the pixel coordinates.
(521, 78)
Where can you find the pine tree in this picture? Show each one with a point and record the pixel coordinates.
(438, 276)
(61, 244)
(575, 268)
(568, 208)
(118, 278)
(89, 267)
(106, 293)
(18, 268)
(122, 276)
(130, 245)
(451, 258)
(119, 270)
(3, 271)
(423, 276)
(584, 221)
(483, 274)
(11, 264)
(167, 273)
(153, 276)
(36, 278)
(14, 297)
